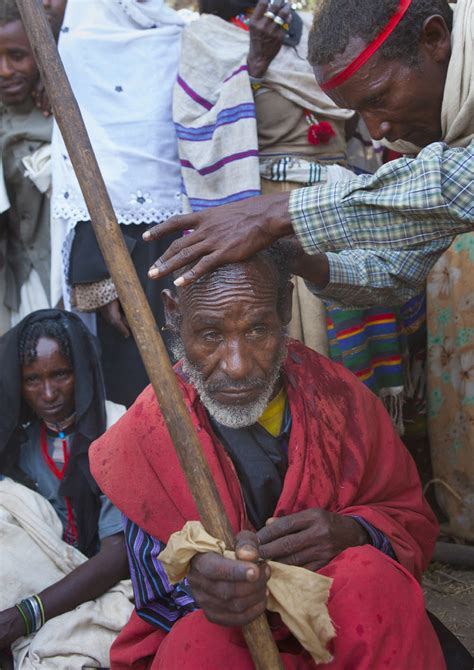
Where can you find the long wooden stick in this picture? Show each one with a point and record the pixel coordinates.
(153, 352)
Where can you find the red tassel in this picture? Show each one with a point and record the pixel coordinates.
(320, 133)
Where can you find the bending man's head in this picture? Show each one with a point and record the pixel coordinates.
(230, 331)
(399, 90)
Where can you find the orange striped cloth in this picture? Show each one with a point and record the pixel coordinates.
(371, 343)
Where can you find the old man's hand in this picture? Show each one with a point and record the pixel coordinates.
(309, 539)
(231, 593)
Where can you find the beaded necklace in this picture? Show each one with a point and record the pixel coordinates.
(70, 534)
(241, 21)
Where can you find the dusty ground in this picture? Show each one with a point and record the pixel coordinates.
(449, 594)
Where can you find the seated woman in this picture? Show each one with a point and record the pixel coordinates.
(52, 407)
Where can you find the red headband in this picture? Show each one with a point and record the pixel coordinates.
(369, 50)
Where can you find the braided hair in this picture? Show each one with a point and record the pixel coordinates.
(336, 23)
(52, 329)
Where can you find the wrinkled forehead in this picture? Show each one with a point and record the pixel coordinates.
(245, 286)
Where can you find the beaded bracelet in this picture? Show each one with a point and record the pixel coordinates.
(32, 613)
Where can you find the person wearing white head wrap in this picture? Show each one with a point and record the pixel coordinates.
(121, 57)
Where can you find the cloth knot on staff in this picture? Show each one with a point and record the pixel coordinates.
(298, 595)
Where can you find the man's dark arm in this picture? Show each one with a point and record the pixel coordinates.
(408, 203)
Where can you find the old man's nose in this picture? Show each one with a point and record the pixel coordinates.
(236, 362)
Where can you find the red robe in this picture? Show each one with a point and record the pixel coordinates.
(345, 457)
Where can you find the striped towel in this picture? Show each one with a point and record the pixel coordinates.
(214, 110)
(215, 118)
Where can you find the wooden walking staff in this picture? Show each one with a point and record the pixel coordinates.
(67, 114)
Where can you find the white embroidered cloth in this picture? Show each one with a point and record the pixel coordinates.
(121, 57)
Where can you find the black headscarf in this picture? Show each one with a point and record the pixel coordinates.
(78, 484)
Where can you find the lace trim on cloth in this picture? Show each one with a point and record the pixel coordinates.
(90, 297)
(143, 215)
(65, 224)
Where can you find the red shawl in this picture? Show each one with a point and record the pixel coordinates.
(344, 456)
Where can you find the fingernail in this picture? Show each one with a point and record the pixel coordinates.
(248, 547)
(268, 572)
(179, 281)
(251, 574)
(153, 273)
(146, 235)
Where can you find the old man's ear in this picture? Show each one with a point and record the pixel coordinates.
(172, 310)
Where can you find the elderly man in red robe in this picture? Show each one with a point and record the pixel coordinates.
(310, 471)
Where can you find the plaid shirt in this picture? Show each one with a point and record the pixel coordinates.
(407, 213)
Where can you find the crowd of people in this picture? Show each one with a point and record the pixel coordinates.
(296, 194)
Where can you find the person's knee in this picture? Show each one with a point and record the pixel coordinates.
(194, 637)
(370, 576)
(379, 613)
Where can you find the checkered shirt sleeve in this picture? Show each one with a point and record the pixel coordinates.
(406, 204)
(362, 278)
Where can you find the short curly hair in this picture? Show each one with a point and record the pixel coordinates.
(9, 12)
(336, 22)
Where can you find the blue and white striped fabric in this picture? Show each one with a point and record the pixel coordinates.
(215, 119)
(214, 110)
(157, 601)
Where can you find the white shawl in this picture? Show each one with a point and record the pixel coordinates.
(121, 57)
(457, 114)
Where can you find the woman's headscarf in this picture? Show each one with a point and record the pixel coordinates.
(78, 484)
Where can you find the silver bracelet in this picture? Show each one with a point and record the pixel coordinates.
(37, 613)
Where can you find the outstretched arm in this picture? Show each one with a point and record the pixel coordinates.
(87, 582)
(408, 203)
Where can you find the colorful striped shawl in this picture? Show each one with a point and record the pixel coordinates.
(375, 345)
(368, 343)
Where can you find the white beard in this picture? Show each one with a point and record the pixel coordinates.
(231, 416)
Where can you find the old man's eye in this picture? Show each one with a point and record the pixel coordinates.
(212, 335)
(257, 331)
